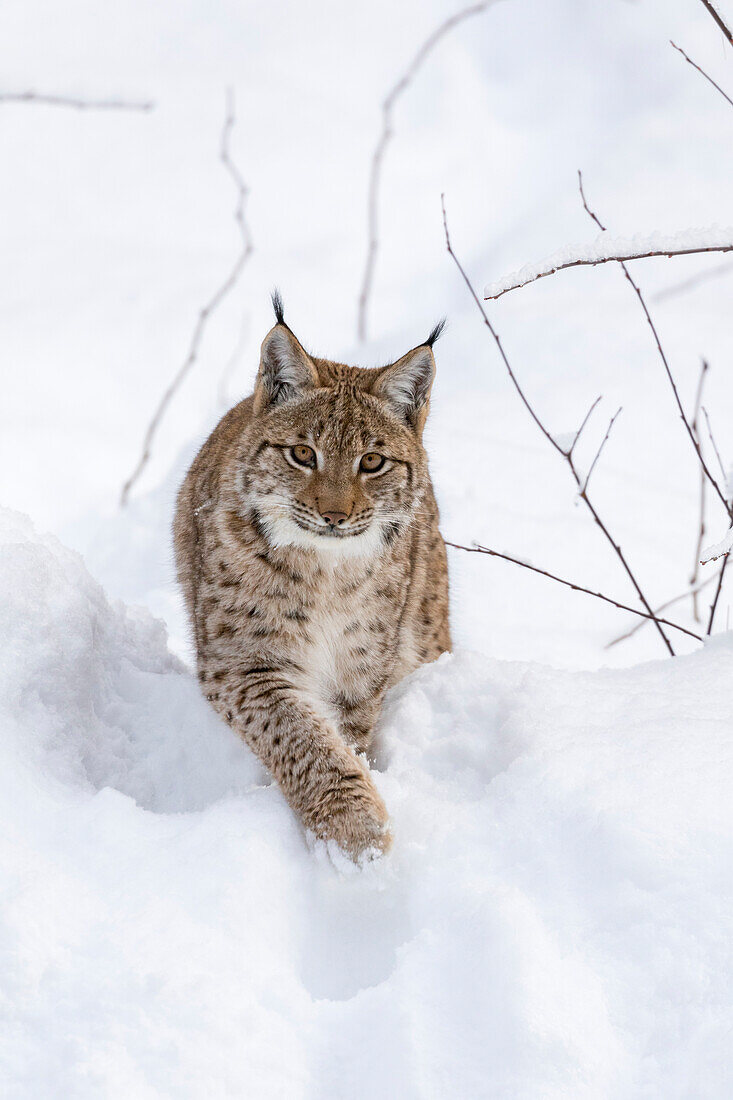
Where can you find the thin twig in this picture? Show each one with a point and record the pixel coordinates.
(718, 590)
(516, 282)
(585, 204)
(598, 452)
(567, 455)
(381, 147)
(695, 280)
(701, 71)
(715, 445)
(44, 100)
(703, 484)
(662, 607)
(584, 421)
(667, 368)
(718, 20)
(225, 288)
(683, 416)
(495, 335)
(575, 587)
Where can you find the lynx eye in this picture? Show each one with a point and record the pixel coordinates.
(303, 456)
(371, 462)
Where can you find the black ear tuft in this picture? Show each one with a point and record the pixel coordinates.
(435, 334)
(277, 305)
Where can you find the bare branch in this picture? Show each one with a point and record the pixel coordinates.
(550, 439)
(44, 100)
(667, 369)
(722, 241)
(704, 368)
(695, 280)
(598, 452)
(567, 455)
(575, 587)
(662, 607)
(718, 20)
(719, 587)
(701, 71)
(715, 445)
(225, 288)
(381, 147)
(703, 484)
(585, 204)
(696, 586)
(583, 423)
(685, 421)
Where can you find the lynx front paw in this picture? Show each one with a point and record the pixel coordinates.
(355, 818)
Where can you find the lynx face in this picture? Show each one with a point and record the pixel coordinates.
(333, 459)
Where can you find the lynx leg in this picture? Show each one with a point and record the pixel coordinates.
(323, 779)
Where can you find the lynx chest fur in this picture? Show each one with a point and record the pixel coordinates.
(308, 549)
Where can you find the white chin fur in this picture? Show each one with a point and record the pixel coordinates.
(283, 531)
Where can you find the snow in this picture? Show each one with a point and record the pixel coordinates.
(85, 681)
(606, 247)
(555, 918)
(565, 440)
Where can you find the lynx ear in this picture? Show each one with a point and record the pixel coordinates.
(286, 369)
(405, 385)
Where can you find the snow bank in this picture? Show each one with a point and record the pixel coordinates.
(91, 694)
(555, 919)
(606, 247)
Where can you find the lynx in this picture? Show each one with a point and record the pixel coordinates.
(307, 546)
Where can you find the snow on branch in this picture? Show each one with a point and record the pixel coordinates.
(607, 249)
(718, 550)
(44, 100)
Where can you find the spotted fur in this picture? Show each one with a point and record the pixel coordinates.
(301, 625)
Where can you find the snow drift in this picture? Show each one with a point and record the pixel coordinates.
(554, 921)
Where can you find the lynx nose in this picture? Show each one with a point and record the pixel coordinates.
(335, 518)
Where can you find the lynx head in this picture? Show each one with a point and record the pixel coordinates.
(333, 457)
